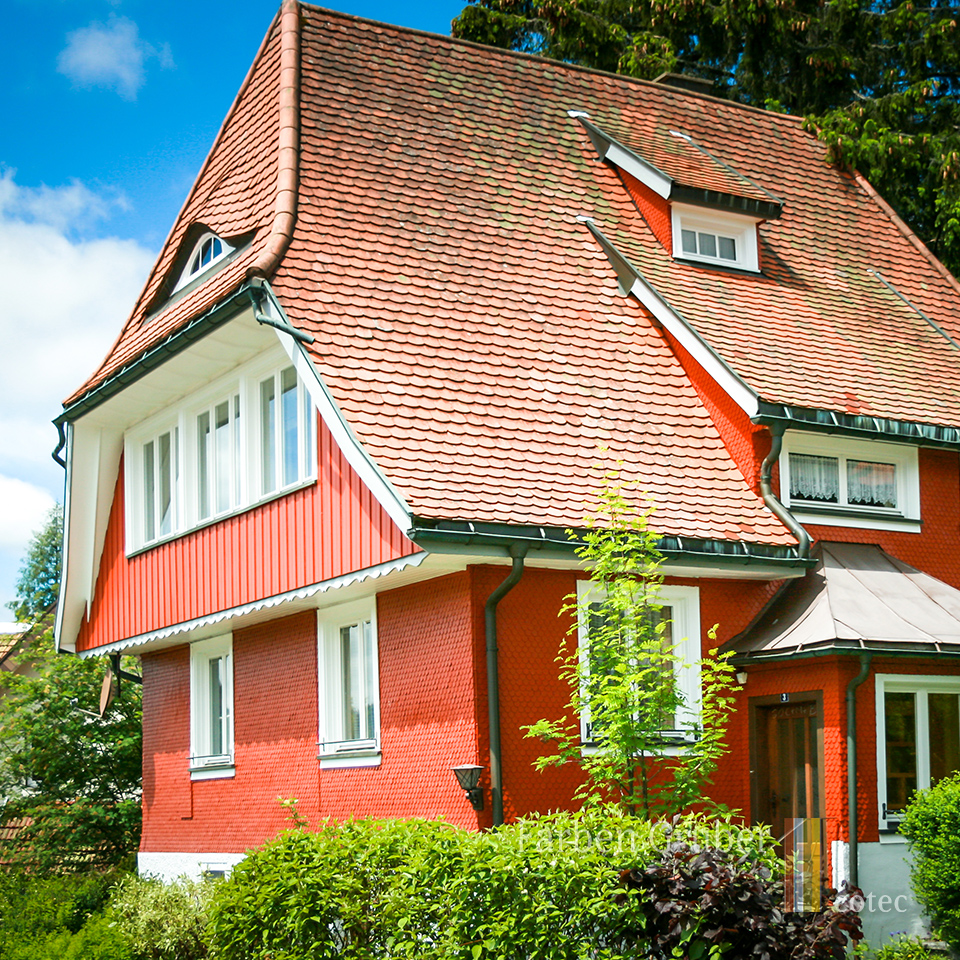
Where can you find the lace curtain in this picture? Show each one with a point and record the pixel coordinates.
(871, 484)
(814, 478)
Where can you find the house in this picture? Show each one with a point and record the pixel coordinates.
(322, 481)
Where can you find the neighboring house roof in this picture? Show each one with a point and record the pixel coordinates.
(468, 324)
(857, 598)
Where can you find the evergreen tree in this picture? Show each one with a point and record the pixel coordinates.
(878, 79)
(38, 585)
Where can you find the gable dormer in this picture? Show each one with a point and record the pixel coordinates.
(701, 209)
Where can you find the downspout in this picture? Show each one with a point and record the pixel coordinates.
(854, 844)
(288, 161)
(772, 501)
(518, 552)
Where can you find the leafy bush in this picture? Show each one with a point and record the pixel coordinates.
(162, 921)
(548, 888)
(931, 823)
(905, 948)
(57, 917)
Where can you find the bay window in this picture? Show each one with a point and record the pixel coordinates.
(244, 438)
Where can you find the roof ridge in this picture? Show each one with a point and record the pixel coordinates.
(559, 64)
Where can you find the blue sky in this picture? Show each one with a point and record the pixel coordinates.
(109, 108)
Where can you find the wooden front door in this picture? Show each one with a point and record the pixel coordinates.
(786, 759)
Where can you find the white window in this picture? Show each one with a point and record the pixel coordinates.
(286, 430)
(708, 236)
(219, 469)
(680, 615)
(349, 685)
(159, 471)
(918, 738)
(835, 480)
(243, 438)
(211, 707)
(209, 249)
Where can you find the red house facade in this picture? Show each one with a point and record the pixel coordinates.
(321, 485)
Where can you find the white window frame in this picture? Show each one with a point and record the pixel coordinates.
(741, 229)
(905, 517)
(246, 491)
(188, 275)
(335, 751)
(921, 686)
(137, 489)
(205, 764)
(685, 604)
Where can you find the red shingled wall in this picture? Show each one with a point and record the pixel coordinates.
(427, 709)
(321, 531)
(654, 209)
(275, 733)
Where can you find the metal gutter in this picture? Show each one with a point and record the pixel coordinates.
(517, 552)
(434, 535)
(773, 501)
(837, 648)
(851, 425)
(852, 818)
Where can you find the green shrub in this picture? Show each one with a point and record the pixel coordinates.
(905, 948)
(57, 917)
(557, 887)
(162, 921)
(931, 823)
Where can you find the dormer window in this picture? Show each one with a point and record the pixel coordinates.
(209, 250)
(720, 239)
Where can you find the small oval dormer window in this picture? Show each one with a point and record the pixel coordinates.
(210, 249)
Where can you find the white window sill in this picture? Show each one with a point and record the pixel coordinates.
(346, 759)
(891, 838)
(826, 517)
(673, 746)
(219, 771)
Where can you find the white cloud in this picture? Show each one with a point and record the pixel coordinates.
(23, 510)
(110, 55)
(63, 304)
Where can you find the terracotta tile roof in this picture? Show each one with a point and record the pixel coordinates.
(678, 154)
(470, 327)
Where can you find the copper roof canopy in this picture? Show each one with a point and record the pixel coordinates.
(857, 598)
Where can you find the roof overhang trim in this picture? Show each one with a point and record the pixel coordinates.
(854, 425)
(235, 615)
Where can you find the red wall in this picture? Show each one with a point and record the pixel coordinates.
(275, 735)
(654, 209)
(327, 529)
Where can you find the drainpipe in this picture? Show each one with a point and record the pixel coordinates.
(771, 500)
(854, 846)
(518, 552)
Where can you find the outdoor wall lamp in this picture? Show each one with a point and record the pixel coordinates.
(741, 677)
(468, 776)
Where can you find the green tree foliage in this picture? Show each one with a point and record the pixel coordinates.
(73, 777)
(70, 778)
(931, 823)
(879, 79)
(628, 680)
(38, 585)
